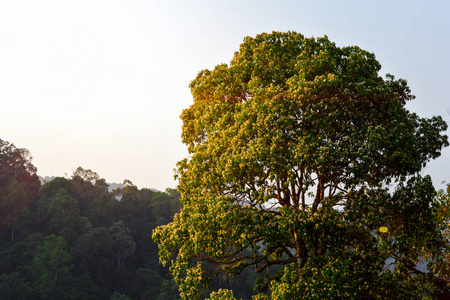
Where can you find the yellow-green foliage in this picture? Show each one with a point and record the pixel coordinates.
(291, 146)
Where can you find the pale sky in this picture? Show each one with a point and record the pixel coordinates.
(101, 84)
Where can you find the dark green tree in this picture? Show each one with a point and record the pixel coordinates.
(94, 256)
(63, 212)
(19, 185)
(50, 267)
(165, 205)
(122, 244)
(91, 192)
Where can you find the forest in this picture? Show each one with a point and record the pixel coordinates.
(73, 238)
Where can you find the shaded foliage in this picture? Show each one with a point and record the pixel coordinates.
(19, 185)
(73, 239)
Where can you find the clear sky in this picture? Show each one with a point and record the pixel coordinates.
(101, 84)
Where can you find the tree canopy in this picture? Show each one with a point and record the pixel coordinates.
(19, 184)
(73, 238)
(299, 152)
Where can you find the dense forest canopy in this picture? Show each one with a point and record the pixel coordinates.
(73, 239)
(299, 153)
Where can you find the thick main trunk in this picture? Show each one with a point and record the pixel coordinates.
(300, 251)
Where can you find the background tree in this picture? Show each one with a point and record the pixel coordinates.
(122, 244)
(94, 256)
(19, 184)
(91, 192)
(292, 150)
(64, 213)
(50, 267)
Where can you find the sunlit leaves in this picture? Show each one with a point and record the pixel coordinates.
(291, 145)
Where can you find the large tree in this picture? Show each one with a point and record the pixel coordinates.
(300, 152)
